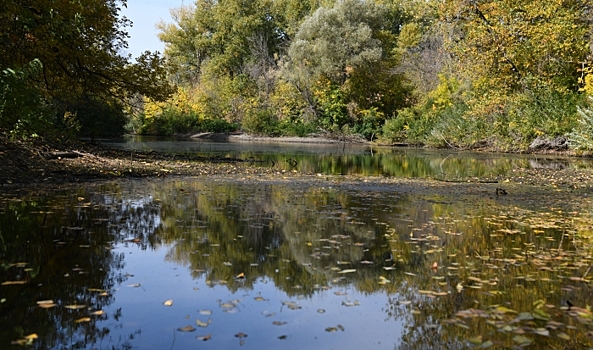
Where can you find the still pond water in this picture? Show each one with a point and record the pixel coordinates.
(219, 263)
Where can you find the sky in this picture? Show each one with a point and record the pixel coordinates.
(146, 14)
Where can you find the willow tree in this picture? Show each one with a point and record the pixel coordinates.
(341, 63)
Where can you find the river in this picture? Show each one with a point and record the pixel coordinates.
(224, 263)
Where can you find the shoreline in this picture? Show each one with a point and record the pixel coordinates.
(25, 164)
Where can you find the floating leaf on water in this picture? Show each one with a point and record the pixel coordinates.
(134, 285)
(75, 307)
(404, 302)
(227, 305)
(204, 337)
(203, 324)
(388, 268)
(349, 303)
(12, 283)
(205, 312)
(27, 340)
(476, 340)
(521, 340)
(542, 331)
(524, 316)
(366, 262)
(84, 319)
(504, 310)
(240, 276)
(226, 263)
(410, 274)
(46, 304)
(340, 293)
(260, 298)
(331, 329)
(283, 337)
(168, 302)
(383, 280)
(347, 271)
(541, 315)
(320, 311)
(487, 344)
(98, 313)
(291, 305)
(241, 335)
(563, 336)
(278, 323)
(294, 306)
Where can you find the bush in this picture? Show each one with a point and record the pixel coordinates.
(261, 122)
(24, 112)
(581, 137)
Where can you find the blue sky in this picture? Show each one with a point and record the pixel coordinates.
(145, 14)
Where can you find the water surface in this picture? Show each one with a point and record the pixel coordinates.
(132, 264)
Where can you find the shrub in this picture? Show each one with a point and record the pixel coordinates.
(260, 122)
(581, 137)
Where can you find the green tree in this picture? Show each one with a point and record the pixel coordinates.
(78, 47)
(340, 61)
(519, 44)
(336, 39)
(219, 36)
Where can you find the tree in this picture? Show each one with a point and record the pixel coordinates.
(219, 36)
(340, 61)
(518, 44)
(78, 49)
(334, 40)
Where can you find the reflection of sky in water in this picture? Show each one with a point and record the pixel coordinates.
(365, 325)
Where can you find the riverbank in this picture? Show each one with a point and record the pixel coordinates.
(28, 164)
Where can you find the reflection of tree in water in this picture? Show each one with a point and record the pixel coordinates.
(300, 237)
(64, 244)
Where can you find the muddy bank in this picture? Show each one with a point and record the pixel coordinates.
(32, 165)
(239, 136)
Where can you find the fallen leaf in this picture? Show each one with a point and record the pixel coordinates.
(83, 319)
(46, 304)
(204, 324)
(204, 337)
(168, 302)
(10, 283)
(521, 340)
(187, 328)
